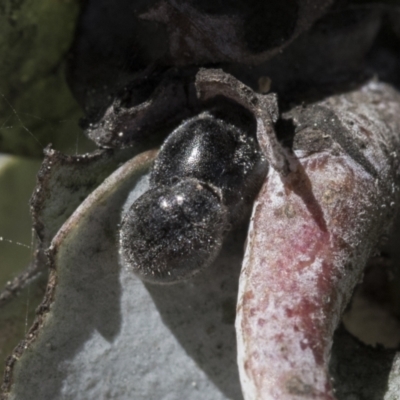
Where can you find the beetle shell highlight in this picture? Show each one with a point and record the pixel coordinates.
(203, 182)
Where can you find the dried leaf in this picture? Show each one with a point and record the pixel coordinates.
(100, 327)
(310, 238)
(204, 32)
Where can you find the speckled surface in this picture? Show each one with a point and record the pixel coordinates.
(107, 335)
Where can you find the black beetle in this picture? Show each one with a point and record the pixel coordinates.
(202, 183)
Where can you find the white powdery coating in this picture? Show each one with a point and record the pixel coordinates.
(144, 361)
(310, 237)
(394, 380)
(108, 335)
(141, 186)
(285, 292)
